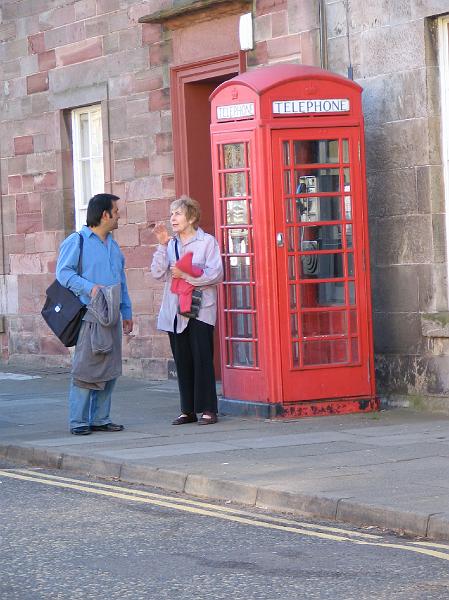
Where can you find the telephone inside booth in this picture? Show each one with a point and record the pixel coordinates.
(291, 217)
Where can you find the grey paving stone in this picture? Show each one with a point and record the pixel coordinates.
(92, 440)
(166, 450)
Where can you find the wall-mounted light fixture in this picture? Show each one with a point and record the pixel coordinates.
(246, 37)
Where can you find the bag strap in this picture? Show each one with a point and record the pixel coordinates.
(79, 268)
(176, 249)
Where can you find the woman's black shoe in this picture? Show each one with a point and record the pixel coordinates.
(183, 419)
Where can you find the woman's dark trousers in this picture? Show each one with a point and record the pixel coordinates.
(193, 351)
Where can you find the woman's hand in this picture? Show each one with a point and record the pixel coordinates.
(161, 232)
(177, 273)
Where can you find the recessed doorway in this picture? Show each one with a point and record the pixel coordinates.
(191, 86)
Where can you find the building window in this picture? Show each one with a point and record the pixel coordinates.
(88, 167)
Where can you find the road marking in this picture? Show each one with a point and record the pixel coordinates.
(18, 376)
(431, 544)
(201, 504)
(217, 512)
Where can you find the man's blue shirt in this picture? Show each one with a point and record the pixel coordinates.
(102, 264)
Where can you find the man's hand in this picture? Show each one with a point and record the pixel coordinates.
(127, 326)
(94, 291)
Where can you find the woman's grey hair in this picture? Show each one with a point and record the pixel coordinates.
(191, 208)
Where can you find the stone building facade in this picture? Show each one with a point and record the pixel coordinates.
(148, 68)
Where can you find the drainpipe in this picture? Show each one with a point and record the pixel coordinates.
(3, 262)
(350, 69)
(323, 33)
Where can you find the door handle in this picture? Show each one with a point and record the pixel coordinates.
(280, 240)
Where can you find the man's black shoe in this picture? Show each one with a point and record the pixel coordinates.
(82, 430)
(107, 427)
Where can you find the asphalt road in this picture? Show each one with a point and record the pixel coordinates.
(64, 536)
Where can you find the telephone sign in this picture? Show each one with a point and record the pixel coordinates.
(303, 107)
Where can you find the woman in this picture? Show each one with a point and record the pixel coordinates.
(191, 339)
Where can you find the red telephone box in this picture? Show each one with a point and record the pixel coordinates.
(291, 218)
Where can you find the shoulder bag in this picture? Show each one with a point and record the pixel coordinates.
(63, 311)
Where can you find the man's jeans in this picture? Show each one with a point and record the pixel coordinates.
(90, 407)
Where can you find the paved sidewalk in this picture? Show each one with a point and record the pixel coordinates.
(388, 469)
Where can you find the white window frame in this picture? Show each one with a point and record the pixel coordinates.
(80, 201)
(443, 44)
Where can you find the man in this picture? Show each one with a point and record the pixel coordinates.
(102, 266)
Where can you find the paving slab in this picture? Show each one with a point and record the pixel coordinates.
(126, 437)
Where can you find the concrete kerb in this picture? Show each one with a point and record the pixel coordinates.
(346, 510)
(52, 460)
(219, 489)
(438, 526)
(91, 466)
(165, 479)
(412, 523)
(305, 504)
(20, 453)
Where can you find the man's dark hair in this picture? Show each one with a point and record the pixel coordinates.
(96, 207)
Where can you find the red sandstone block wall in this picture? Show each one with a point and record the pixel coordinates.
(57, 55)
(286, 30)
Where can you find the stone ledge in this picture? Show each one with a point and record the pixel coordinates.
(199, 10)
(435, 325)
(426, 403)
